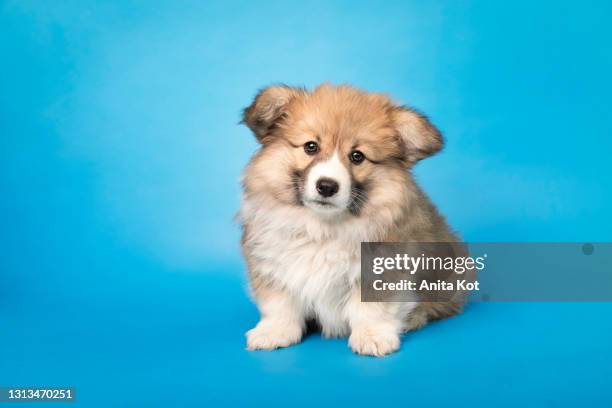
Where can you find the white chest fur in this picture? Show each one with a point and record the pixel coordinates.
(317, 265)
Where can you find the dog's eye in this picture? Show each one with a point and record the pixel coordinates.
(311, 147)
(356, 157)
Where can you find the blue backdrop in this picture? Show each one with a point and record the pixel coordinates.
(119, 163)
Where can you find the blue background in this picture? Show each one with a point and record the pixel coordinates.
(120, 154)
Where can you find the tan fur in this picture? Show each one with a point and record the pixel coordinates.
(304, 264)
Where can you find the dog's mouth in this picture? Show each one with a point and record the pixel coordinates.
(328, 207)
(324, 208)
(321, 203)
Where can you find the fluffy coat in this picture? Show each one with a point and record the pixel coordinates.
(303, 248)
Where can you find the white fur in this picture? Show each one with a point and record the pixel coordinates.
(281, 325)
(335, 170)
(318, 263)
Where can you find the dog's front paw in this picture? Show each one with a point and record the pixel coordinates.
(372, 342)
(270, 335)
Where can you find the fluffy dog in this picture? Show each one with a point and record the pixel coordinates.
(333, 171)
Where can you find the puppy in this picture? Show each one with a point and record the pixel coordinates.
(333, 171)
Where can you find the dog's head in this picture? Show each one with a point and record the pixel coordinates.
(336, 150)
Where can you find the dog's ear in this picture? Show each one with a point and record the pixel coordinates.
(419, 137)
(268, 107)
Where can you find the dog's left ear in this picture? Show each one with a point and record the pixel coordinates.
(420, 138)
(268, 107)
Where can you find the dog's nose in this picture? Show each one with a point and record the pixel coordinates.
(327, 187)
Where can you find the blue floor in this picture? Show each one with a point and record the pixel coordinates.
(176, 338)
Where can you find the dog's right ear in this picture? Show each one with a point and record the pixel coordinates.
(268, 107)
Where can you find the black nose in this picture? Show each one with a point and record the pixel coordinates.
(327, 187)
